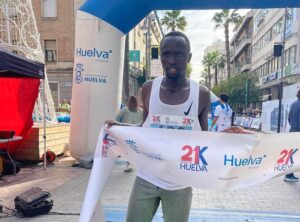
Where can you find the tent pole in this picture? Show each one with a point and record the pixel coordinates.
(44, 123)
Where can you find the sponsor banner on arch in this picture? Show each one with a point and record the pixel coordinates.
(96, 92)
(207, 160)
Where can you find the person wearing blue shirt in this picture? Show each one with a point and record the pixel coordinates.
(294, 121)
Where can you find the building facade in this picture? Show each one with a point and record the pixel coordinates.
(55, 22)
(241, 45)
(138, 42)
(268, 29)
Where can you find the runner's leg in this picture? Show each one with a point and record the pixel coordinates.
(176, 204)
(144, 201)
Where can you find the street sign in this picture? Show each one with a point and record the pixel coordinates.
(134, 56)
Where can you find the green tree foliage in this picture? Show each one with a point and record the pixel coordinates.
(204, 75)
(188, 70)
(236, 88)
(173, 21)
(224, 19)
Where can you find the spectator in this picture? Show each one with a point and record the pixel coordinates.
(64, 107)
(294, 121)
(223, 114)
(131, 114)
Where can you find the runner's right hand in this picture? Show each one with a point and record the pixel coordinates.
(110, 123)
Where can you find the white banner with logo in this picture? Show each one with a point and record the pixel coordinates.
(217, 161)
(97, 80)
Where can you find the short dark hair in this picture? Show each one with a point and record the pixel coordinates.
(132, 100)
(179, 34)
(224, 97)
(298, 94)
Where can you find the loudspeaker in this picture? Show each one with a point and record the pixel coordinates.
(33, 202)
(154, 53)
(277, 50)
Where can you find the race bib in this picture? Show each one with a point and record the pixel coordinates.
(172, 122)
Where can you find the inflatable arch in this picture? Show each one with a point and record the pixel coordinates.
(101, 27)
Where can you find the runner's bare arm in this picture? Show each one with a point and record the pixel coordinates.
(146, 91)
(203, 107)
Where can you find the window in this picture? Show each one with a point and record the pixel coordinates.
(295, 54)
(277, 63)
(287, 57)
(50, 51)
(260, 18)
(49, 8)
(276, 29)
(270, 66)
(292, 55)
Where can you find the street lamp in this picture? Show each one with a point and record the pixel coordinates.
(146, 28)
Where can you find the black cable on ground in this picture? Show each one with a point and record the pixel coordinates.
(65, 214)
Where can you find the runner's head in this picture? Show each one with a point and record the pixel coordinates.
(224, 97)
(298, 94)
(132, 103)
(175, 54)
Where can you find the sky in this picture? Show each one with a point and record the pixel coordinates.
(202, 33)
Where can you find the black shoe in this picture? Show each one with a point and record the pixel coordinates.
(291, 178)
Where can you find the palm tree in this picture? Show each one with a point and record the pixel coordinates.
(204, 74)
(172, 20)
(215, 55)
(224, 19)
(219, 63)
(215, 60)
(208, 63)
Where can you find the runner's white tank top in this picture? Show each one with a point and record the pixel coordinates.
(160, 115)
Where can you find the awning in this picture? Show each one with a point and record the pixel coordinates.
(12, 65)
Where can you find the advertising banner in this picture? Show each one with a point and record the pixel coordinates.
(97, 80)
(270, 116)
(255, 124)
(207, 160)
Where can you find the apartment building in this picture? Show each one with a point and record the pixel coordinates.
(138, 43)
(55, 22)
(241, 45)
(268, 26)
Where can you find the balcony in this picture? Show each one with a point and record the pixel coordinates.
(247, 66)
(241, 44)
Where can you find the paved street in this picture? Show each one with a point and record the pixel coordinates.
(271, 201)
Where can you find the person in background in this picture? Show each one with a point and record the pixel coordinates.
(294, 121)
(64, 107)
(131, 114)
(70, 106)
(223, 114)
